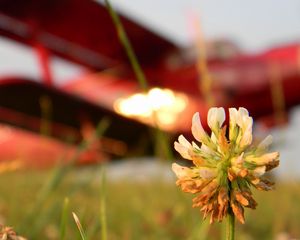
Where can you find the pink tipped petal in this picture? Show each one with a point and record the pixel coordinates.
(233, 114)
(221, 116)
(182, 140)
(181, 172)
(241, 119)
(207, 173)
(243, 111)
(211, 117)
(264, 144)
(215, 117)
(182, 150)
(259, 171)
(197, 129)
(264, 159)
(246, 139)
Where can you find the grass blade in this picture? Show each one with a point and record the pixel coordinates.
(103, 205)
(200, 231)
(79, 226)
(58, 175)
(64, 219)
(160, 136)
(127, 46)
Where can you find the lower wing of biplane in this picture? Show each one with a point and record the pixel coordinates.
(46, 125)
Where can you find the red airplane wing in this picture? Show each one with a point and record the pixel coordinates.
(20, 105)
(79, 30)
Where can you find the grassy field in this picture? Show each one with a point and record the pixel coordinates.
(153, 209)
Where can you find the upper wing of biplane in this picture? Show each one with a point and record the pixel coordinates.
(79, 30)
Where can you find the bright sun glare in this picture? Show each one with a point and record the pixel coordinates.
(157, 106)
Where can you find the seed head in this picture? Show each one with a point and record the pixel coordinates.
(226, 164)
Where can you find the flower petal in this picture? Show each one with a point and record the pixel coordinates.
(240, 129)
(246, 138)
(215, 118)
(207, 173)
(182, 150)
(233, 118)
(197, 129)
(264, 159)
(183, 141)
(264, 144)
(243, 112)
(182, 172)
(259, 171)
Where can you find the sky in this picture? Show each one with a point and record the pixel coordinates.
(254, 25)
(19, 60)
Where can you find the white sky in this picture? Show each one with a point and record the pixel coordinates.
(20, 60)
(254, 24)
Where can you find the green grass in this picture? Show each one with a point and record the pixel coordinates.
(134, 210)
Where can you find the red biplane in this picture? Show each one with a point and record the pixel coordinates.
(82, 32)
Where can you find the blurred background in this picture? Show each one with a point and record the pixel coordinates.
(72, 103)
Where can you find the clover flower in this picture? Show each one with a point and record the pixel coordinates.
(7, 233)
(226, 164)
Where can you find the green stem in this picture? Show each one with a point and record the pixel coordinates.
(140, 76)
(127, 46)
(64, 219)
(230, 227)
(103, 206)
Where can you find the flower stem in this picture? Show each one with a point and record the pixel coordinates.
(127, 46)
(230, 228)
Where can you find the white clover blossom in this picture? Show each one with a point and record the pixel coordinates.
(224, 167)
